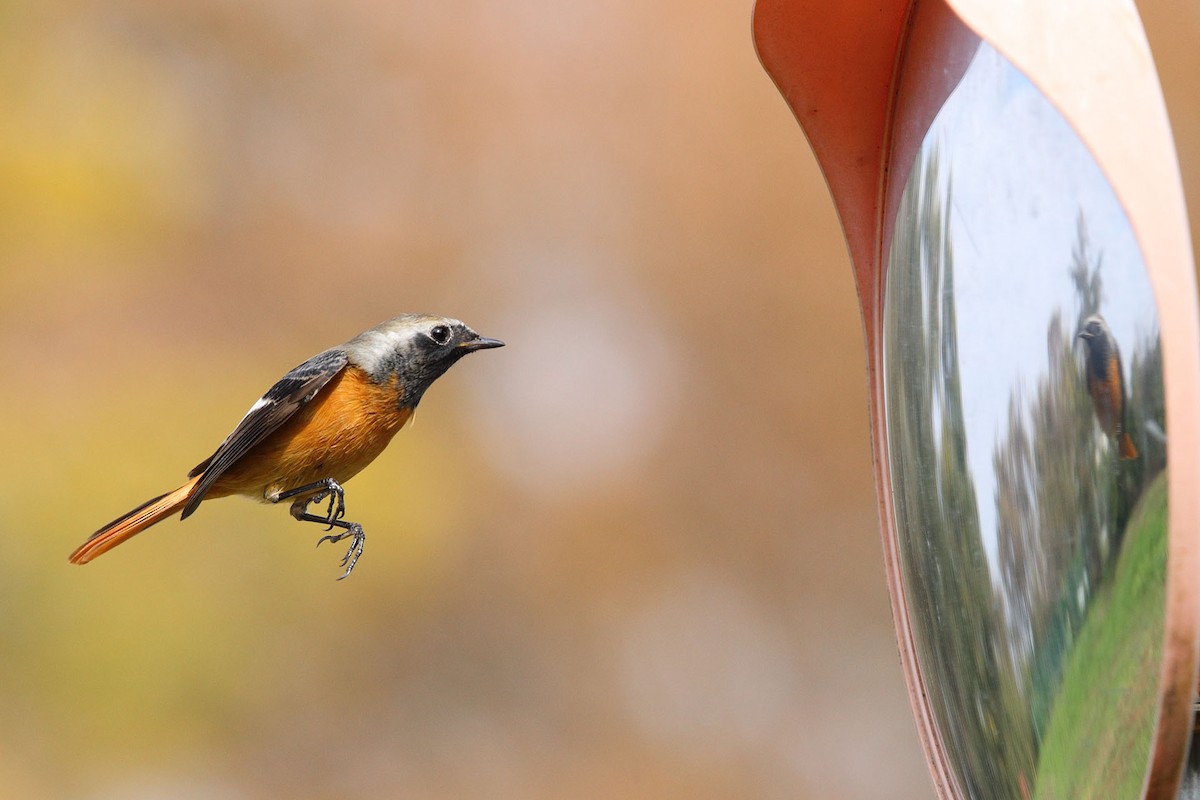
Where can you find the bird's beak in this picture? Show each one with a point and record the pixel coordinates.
(1084, 335)
(482, 343)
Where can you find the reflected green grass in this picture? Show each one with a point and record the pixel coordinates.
(1098, 735)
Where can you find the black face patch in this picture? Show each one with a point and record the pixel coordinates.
(425, 359)
(416, 374)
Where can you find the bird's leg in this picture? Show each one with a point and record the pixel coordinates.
(327, 487)
(315, 493)
(350, 529)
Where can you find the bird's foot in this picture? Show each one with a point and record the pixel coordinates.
(357, 539)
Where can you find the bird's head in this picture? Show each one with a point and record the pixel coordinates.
(1093, 328)
(415, 348)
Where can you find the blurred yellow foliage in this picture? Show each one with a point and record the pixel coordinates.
(96, 150)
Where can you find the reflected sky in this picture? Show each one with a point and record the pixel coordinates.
(1020, 182)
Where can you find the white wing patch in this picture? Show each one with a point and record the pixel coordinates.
(259, 403)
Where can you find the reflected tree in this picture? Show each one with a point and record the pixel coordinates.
(1062, 496)
(1053, 515)
(978, 700)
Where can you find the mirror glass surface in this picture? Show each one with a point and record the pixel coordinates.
(1027, 448)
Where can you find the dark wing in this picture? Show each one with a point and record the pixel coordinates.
(272, 410)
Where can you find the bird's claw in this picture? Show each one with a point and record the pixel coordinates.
(357, 537)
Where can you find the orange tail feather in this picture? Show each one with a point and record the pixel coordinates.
(133, 523)
(1127, 450)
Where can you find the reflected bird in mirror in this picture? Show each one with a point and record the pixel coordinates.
(1106, 385)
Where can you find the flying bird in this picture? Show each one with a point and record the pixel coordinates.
(315, 429)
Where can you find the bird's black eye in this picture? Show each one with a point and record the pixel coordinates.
(440, 334)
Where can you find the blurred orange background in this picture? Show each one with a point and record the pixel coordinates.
(634, 554)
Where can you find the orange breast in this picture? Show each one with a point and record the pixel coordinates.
(335, 435)
(1107, 397)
